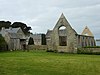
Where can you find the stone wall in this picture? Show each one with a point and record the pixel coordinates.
(88, 50)
(37, 47)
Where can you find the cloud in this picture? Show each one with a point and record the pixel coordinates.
(42, 15)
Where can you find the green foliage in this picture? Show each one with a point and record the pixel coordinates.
(5, 24)
(55, 51)
(83, 51)
(48, 63)
(23, 26)
(3, 44)
(31, 41)
(2, 41)
(92, 47)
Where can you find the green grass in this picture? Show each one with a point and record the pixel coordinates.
(46, 63)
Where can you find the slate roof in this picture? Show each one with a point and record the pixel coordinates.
(16, 36)
(12, 30)
(13, 35)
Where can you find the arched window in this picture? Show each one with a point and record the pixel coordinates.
(62, 28)
(62, 36)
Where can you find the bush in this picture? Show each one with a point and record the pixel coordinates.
(92, 47)
(52, 51)
(31, 41)
(83, 51)
(3, 44)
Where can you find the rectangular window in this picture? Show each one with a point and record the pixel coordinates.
(63, 40)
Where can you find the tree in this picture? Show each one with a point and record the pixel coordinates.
(23, 26)
(3, 44)
(26, 29)
(31, 41)
(5, 24)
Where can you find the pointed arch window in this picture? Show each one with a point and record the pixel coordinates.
(62, 36)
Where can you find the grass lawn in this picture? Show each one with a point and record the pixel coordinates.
(46, 63)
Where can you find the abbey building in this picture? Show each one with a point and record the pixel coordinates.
(64, 38)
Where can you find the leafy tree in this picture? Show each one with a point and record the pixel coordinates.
(26, 29)
(5, 24)
(31, 41)
(23, 26)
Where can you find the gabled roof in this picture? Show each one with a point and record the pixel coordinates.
(87, 32)
(62, 16)
(13, 35)
(12, 30)
(16, 36)
(62, 21)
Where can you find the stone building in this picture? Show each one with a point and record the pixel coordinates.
(64, 38)
(14, 37)
(98, 42)
(39, 39)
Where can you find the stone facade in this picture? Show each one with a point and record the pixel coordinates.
(39, 39)
(14, 37)
(37, 47)
(67, 39)
(87, 32)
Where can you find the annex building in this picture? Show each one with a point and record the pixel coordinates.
(14, 37)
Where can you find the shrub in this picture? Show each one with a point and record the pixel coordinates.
(3, 44)
(92, 47)
(31, 41)
(52, 51)
(83, 51)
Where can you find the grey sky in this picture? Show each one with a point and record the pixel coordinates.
(42, 15)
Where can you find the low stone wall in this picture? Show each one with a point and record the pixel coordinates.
(37, 47)
(88, 50)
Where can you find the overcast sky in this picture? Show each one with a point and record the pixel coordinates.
(42, 15)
